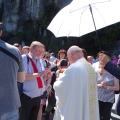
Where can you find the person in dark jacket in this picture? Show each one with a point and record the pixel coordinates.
(51, 98)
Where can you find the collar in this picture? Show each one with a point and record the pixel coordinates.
(81, 60)
(30, 55)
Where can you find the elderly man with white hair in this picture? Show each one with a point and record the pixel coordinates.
(75, 89)
(90, 59)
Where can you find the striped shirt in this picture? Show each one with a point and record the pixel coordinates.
(105, 95)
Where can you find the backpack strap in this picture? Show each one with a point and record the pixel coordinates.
(9, 54)
(28, 59)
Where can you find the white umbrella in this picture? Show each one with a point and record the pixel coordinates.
(77, 18)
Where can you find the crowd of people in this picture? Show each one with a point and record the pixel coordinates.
(71, 86)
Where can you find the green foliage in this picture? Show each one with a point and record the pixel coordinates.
(20, 35)
(42, 20)
(54, 45)
(28, 33)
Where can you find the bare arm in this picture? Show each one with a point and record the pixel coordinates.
(31, 76)
(114, 88)
(99, 85)
(21, 76)
(49, 76)
(49, 81)
(116, 85)
(35, 75)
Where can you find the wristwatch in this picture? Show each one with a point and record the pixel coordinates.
(108, 87)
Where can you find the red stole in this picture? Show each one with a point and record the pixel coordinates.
(39, 81)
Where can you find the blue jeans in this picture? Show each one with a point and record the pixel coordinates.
(10, 115)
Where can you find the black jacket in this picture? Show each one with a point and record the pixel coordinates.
(112, 69)
(52, 100)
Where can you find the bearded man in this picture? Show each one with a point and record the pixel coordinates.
(33, 86)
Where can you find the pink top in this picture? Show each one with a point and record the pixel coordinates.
(118, 61)
(114, 62)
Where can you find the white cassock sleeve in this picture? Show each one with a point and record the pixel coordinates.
(72, 94)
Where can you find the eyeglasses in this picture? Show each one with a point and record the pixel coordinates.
(38, 51)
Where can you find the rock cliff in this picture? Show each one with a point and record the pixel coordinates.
(21, 17)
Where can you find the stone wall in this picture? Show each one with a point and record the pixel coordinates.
(16, 12)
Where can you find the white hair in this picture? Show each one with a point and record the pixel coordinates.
(74, 49)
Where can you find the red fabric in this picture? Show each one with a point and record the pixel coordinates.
(55, 62)
(39, 81)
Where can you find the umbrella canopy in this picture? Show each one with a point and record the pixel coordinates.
(76, 19)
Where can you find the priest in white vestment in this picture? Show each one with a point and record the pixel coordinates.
(76, 90)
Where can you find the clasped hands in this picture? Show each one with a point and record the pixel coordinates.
(103, 84)
(46, 72)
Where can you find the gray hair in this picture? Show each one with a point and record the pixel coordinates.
(36, 43)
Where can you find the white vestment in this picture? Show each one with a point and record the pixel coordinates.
(76, 93)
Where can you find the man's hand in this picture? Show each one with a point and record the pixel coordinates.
(43, 73)
(50, 74)
(104, 84)
(50, 93)
(99, 85)
(103, 58)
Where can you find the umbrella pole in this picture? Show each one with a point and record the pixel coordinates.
(95, 27)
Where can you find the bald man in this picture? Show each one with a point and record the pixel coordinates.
(75, 89)
(90, 59)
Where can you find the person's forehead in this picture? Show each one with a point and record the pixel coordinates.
(62, 53)
(101, 54)
(39, 47)
(25, 49)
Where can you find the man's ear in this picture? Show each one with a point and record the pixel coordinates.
(0, 32)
